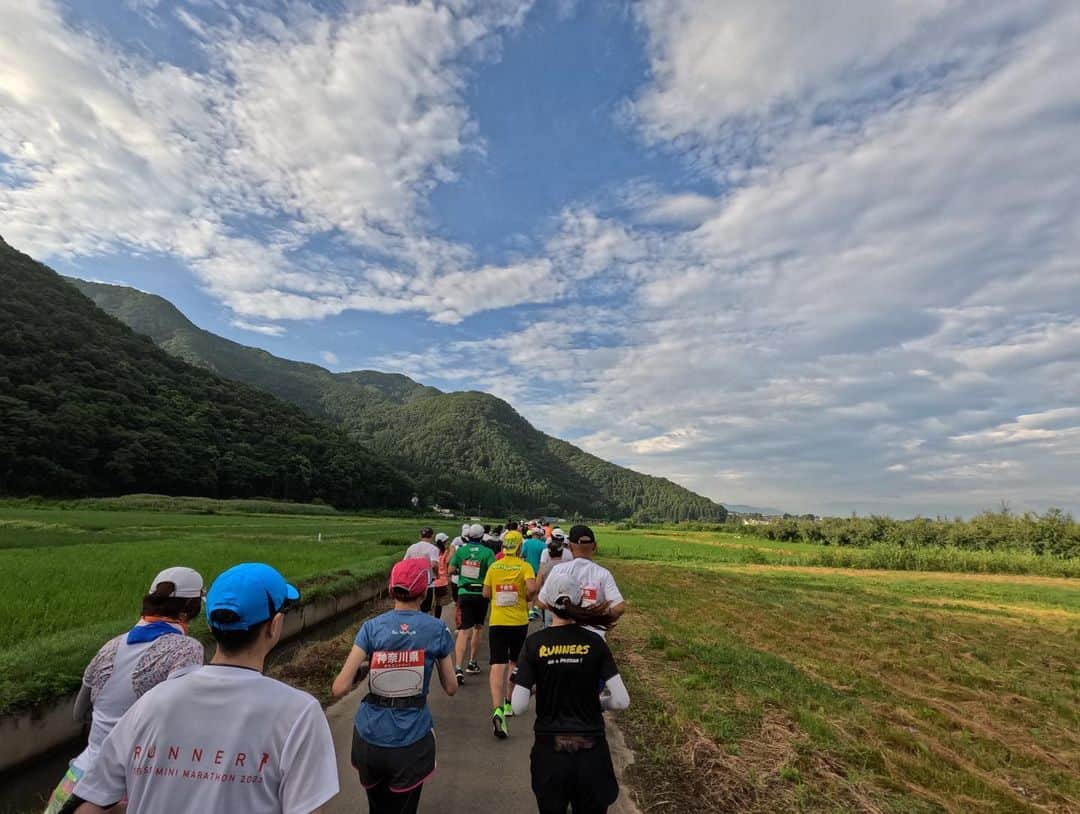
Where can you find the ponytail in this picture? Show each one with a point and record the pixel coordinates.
(599, 616)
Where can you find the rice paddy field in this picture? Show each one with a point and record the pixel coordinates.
(765, 676)
(74, 577)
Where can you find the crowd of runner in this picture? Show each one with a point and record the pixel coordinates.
(170, 734)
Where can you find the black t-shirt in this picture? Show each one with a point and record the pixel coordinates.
(568, 664)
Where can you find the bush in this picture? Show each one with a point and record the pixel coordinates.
(1053, 533)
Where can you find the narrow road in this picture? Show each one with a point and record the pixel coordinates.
(472, 764)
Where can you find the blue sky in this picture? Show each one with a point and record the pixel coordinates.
(782, 253)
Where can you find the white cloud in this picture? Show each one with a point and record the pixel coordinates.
(330, 357)
(305, 125)
(863, 318)
(265, 330)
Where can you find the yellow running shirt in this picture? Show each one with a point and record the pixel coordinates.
(506, 579)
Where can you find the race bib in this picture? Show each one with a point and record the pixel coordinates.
(506, 596)
(588, 595)
(396, 673)
(470, 569)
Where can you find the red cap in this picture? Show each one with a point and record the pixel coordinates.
(412, 575)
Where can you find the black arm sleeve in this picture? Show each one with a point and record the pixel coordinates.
(607, 663)
(526, 669)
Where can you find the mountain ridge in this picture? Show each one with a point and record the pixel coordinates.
(88, 406)
(465, 449)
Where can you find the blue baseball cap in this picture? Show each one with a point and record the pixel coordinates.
(253, 591)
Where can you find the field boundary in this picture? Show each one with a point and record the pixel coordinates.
(27, 735)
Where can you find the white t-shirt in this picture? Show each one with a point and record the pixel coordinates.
(597, 584)
(121, 673)
(219, 739)
(545, 556)
(424, 549)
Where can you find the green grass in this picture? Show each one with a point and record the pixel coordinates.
(799, 689)
(736, 548)
(74, 577)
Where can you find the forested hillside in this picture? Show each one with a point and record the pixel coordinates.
(465, 450)
(89, 407)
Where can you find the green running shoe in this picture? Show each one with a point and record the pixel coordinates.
(498, 724)
(508, 709)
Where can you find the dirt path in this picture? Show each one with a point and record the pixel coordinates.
(473, 764)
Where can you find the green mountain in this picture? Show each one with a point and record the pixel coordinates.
(90, 407)
(467, 450)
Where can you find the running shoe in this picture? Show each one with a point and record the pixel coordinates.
(472, 668)
(498, 724)
(534, 615)
(508, 709)
(460, 676)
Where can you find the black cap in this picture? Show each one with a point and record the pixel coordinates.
(577, 532)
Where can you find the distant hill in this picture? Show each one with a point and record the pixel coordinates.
(90, 407)
(738, 508)
(468, 450)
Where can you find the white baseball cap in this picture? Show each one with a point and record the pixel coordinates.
(441, 538)
(558, 534)
(476, 532)
(188, 582)
(564, 586)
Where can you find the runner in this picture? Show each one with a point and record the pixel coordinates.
(393, 748)
(455, 544)
(471, 563)
(570, 761)
(223, 738)
(492, 541)
(531, 551)
(512, 584)
(597, 584)
(553, 554)
(130, 664)
(442, 579)
(555, 549)
(426, 549)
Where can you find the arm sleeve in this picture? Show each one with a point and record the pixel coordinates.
(620, 698)
(607, 662)
(446, 642)
(106, 781)
(611, 590)
(363, 639)
(545, 592)
(309, 776)
(83, 705)
(519, 700)
(526, 672)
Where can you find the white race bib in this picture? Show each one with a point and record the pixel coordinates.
(396, 673)
(470, 569)
(588, 595)
(506, 595)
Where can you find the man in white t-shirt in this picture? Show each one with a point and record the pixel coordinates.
(223, 738)
(427, 550)
(597, 583)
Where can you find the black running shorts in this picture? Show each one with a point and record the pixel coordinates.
(583, 780)
(473, 610)
(505, 642)
(400, 769)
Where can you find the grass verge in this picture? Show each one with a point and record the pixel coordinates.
(768, 689)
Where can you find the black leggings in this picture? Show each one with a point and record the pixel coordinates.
(381, 800)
